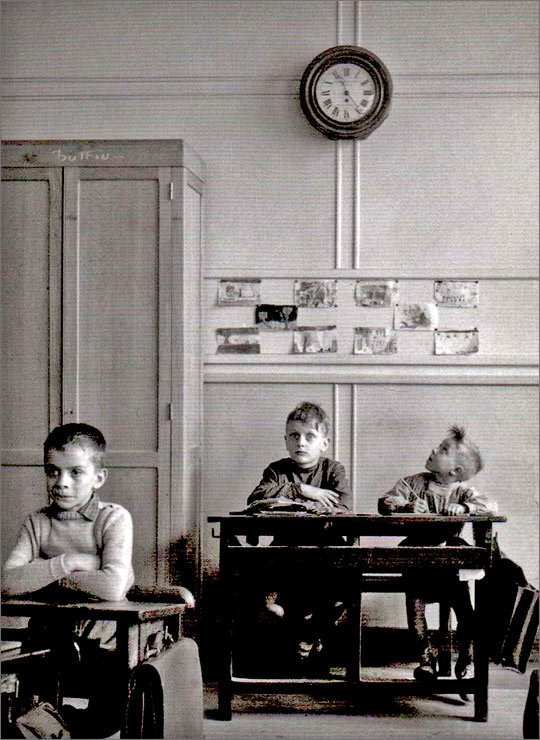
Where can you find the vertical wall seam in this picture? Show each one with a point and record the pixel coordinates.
(335, 453)
(358, 22)
(356, 163)
(339, 24)
(356, 206)
(354, 430)
(339, 203)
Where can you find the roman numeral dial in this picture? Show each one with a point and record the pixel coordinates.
(345, 92)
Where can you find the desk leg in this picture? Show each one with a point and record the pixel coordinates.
(481, 652)
(355, 636)
(127, 646)
(226, 626)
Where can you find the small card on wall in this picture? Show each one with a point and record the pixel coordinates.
(418, 316)
(239, 340)
(239, 292)
(380, 294)
(314, 339)
(456, 342)
(457, 293)
(374, 340)
(315, 293)
(276, 317)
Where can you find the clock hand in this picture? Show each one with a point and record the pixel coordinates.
(353, 101)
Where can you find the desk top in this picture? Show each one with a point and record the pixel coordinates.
(272, 523)
(130, 612)
(357, 518)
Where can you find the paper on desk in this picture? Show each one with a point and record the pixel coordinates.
(471, 574)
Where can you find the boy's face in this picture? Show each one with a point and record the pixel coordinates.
(444, 460)
(305, 444)
(72, 476)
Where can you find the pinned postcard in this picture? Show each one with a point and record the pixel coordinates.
(380, 294)
(416, 316)
(315, 293)
(238, 340)
(239, 292)
(276, 318)
(313, 339)
(456, 342)
(457, 293)
(374, 340)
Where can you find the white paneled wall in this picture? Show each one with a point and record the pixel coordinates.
(445, 188)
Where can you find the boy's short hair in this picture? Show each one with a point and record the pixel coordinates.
(470, 458)
(77, 433)
(307, 412)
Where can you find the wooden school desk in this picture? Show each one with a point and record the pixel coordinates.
(143, 625)
(366, 569)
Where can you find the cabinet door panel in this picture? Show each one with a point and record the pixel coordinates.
(117, 305)
(31, 226)
(117, 329)
(135, 489)
(23, 491)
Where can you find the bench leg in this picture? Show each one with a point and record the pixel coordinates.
(354, 628)
(445, 639)
(481, 653)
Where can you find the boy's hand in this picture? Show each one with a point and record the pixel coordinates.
(329, 499)
(420, 506)
(456, 509)
(80, 561)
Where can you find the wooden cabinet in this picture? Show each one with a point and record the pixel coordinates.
(101, 254)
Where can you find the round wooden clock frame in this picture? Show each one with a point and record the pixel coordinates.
(376, 71)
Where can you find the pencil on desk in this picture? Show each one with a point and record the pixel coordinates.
(413, 493)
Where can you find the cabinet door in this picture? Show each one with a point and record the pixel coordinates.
(31, 314)
(117, 339)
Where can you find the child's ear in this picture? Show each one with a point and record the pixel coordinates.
(101, 477)
(325, 443)
(457, 472)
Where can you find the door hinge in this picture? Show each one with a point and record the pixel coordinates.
(171, 191)
(170, 411)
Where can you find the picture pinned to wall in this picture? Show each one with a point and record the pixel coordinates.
(239, 292)
(314, 339)
(380, 294)
(456, 342)
(238, 340)
(315, 293)
(457, 293)
(374, 340)
(275, 317)
(417, 316)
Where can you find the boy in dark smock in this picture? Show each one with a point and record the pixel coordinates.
(320, 484)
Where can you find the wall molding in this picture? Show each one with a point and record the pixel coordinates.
(172, 87)
(490, 273)
(417, 372)
(476, 360)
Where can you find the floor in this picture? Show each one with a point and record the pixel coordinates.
(301, 717)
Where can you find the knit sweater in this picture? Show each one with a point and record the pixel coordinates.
(100, 529)
(438, 496)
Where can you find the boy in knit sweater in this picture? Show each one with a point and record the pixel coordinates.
(76, 547)
(77, 542)
(441, 490)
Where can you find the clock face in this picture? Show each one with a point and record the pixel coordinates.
(346, 92)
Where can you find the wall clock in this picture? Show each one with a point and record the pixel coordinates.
(345, 92)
